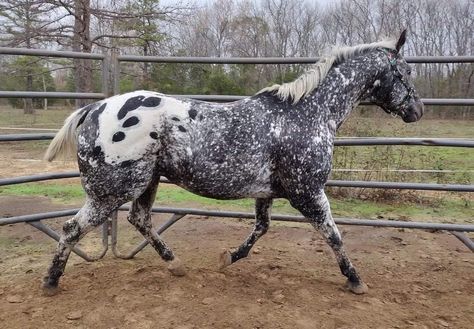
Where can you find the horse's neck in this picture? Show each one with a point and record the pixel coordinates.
(346, 84)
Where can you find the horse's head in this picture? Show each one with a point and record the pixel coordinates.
(393, 90)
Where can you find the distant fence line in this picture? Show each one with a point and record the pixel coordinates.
(111, 63)
(110, 228)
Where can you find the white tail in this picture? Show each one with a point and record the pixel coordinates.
(64, 143)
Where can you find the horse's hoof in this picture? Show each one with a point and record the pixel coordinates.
(176, 267)
(357, 288)
(49, 290)
(225, 259)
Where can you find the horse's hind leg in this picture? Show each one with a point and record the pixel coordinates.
(140, 217)
(318, 211)
(262, 222)
(91, 215)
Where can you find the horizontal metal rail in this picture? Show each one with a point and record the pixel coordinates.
(276, 60)
(212, 60)
(340, 141)
(37, 217)
(426, 101)
(333, 183)
(50, 94)
(402, 186)
(373, 141)
(49, 53)
(26, 137)
(214, 98)
(234, 214)
(445, 101)
(38, 178)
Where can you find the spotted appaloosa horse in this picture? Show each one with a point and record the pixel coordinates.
(275, 144)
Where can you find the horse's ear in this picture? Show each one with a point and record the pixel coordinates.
(401, 40)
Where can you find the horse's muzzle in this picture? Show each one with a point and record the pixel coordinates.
(414, 113)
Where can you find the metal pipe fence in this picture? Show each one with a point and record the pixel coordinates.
(332, 183)
(110, 228)
(105, 63)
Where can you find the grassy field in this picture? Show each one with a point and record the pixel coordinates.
(452, 207)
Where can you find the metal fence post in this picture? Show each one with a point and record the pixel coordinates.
(115, 71)
(105, 65)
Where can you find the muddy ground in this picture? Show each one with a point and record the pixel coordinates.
(417, 279)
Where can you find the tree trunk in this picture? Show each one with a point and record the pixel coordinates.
(45, 100)
(28, 103)
(81, 42)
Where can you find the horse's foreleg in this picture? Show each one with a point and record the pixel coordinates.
(319, 213)
(89, 216)
(140, 217)
(262, 222)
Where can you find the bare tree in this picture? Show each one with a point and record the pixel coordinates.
(24, 24)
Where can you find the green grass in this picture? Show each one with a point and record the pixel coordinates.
(52, 118)
(451, 210)
(68, 193)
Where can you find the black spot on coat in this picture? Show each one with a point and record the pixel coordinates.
(95, 114)
(152, 101)
(118, 136)
(96, 151)
(84, 112)
(130, 105)
(127, 163)
(192, 114)
(130, 122)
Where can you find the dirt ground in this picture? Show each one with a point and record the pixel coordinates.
(417, 279)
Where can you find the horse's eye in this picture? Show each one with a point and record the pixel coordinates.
(408, 71)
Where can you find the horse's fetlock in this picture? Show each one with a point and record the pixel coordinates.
(167, 255)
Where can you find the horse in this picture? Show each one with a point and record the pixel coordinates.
(277, 143)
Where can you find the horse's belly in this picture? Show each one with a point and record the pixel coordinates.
(226, 183)
(228, 192)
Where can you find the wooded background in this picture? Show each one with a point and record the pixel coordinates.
(224, 28)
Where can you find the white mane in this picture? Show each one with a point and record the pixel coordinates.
(311, 79)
